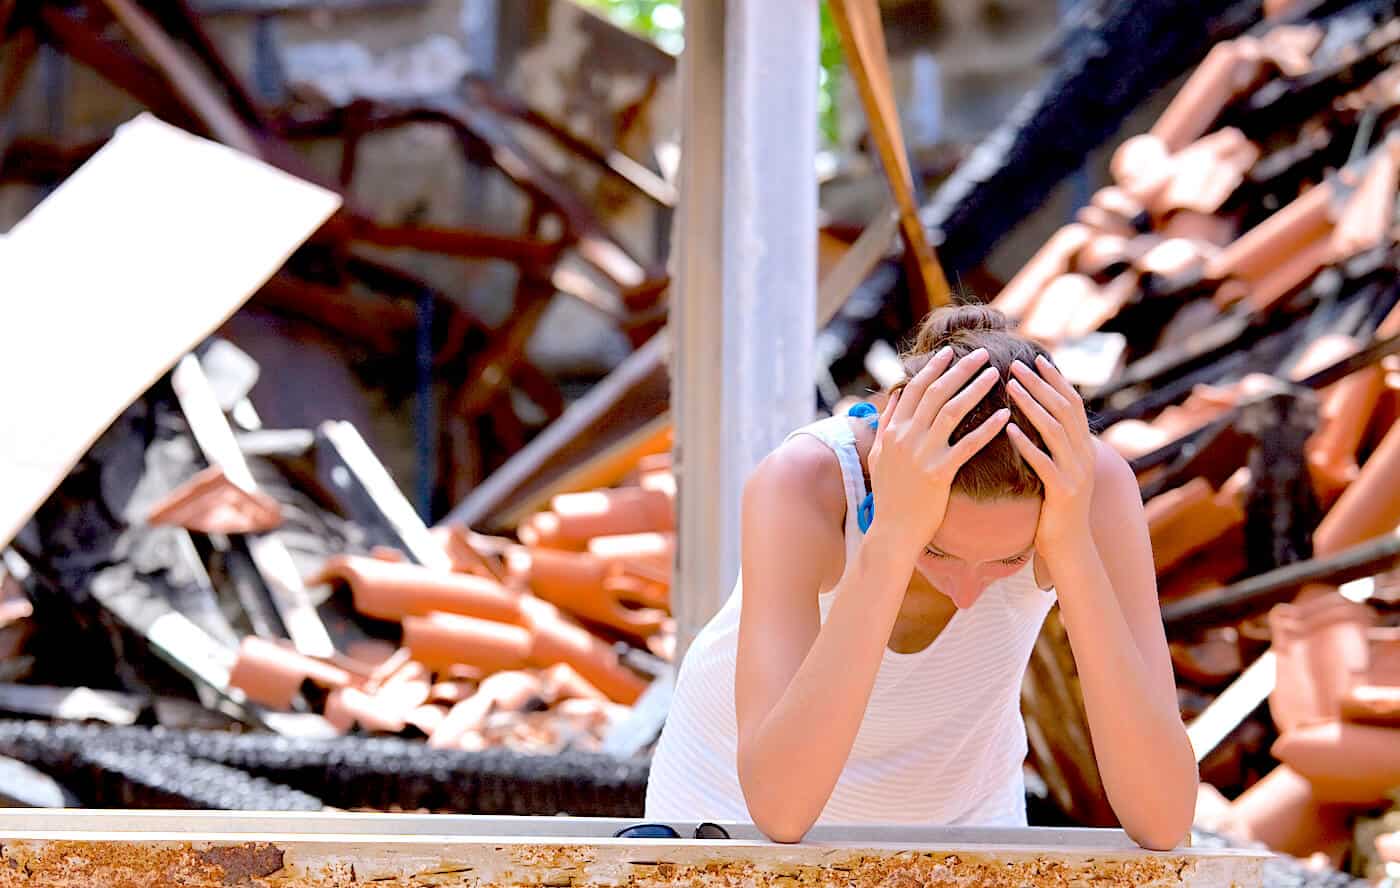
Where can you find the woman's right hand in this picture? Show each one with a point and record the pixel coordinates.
(912, 463)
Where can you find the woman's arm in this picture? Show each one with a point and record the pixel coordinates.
(1108, 600)
(1093, 539)
(801, 687)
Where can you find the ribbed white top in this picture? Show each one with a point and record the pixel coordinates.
(942, 740)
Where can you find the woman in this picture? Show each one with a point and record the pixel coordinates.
(867, 668)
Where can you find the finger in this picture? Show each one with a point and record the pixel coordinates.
(1051, 431)
(980, 437)
(1045, 393)
(1043, 465)
(1051, 374)
(961, 404)
(932, 399)
(916, 386)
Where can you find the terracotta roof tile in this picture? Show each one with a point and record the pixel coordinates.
(211, 503)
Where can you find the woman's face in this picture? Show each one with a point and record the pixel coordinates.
(980, 542)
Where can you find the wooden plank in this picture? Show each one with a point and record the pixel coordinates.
(322, 850)
(863, 39)
(142, 253)
(215, 438)
(1235, 703)
(371, 496)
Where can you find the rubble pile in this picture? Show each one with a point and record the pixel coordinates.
(1229, 303)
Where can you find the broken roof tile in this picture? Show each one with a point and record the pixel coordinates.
(1346, 763)
(1366, 219)
(212, 503)
(1020, 295)
(272, 674)
(1205, 173)
(1320, 640)
(389, 590)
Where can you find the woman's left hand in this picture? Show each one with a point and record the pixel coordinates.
(1057, 412)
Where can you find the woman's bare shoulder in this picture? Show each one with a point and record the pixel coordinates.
(803, 470)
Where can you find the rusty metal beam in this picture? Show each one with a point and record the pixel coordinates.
(123, 849)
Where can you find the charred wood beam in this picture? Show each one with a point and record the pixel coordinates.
(1259, 593)
(39, 162)
(1282, 508)
(181, 21)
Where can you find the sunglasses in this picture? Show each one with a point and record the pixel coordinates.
(663, 831)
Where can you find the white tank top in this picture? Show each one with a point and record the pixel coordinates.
(941, 743)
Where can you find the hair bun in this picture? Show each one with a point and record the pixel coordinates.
(945, 324)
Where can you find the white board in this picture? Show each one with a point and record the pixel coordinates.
(137, 257)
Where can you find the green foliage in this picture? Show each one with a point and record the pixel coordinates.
(661, 21)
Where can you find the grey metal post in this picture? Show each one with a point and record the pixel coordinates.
(746, 285)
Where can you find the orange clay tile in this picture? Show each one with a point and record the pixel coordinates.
(1104, 253)
(427, 718)
(575, 518)
(1290, 274)
(451, 692)
(1210, 662)
(1365, 221)
(1229, 69)
(1115, 200)
(211, 503)
(651, 550)
(1346, 763)
(1142, 167)
(1347, 406)
(1208, 569)
(562, 682)
(1104, 222)
(1290, 47)
(1186, 519)
(1049, 321)
(464, 722)
(1370, 506)
(1200, 228)
(1320, 641)
(556, 640)
(1274, 9)
(1258, 251)
(457, 542)
(271, 674)
(1132, 438)
(1103, 304)
(439, 640)
(1206, 172)
(392, 590)
(347, 707)
(1372, 704)
(1283, 812)
(1172, 258)
(1020, 295)
(585, 586)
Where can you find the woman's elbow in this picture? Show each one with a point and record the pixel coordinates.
(771, 808)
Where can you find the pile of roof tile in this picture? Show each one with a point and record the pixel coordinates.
(1229, 304)
(197, 573)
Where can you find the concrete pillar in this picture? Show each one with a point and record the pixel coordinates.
(745, 293)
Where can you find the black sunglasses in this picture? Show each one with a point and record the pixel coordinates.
(663, 831)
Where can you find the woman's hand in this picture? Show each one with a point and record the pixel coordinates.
(912, 463)
(1057, 412)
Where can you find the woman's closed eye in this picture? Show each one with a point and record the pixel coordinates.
(1015, 561)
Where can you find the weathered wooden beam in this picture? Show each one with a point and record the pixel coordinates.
(126, 848)
(863, 39)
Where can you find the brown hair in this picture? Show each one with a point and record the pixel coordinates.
(997, 471)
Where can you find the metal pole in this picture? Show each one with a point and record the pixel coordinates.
(746, 272)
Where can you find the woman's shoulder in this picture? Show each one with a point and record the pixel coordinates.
(802, 470)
